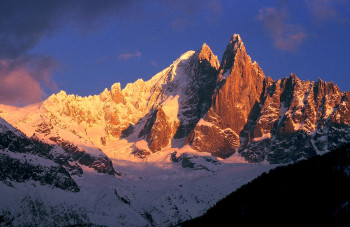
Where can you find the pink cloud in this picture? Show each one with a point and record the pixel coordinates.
(154, 63)
(323, 10)
(23, 80)
(126, 56)
(289, 42)
(19, 88)
(286, 36)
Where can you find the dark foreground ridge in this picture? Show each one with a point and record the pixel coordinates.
(312, 192)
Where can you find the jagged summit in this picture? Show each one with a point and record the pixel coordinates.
(217, 108)
(205, 46)
(151, 130)
(235, 43)
(235, 51)
(205, 53)
(294, 76)
(236, 38)
(278, 121)
(241, 84)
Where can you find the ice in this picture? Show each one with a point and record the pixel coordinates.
(204, 123)
(263, 137)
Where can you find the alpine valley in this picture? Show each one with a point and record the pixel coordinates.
(162, 151)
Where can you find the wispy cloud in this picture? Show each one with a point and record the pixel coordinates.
(154, 63)
(286, 36)
(325, 10)
(126, 56)
(24, 23)
(23, 76)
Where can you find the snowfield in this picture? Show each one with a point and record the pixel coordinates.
(127, 157)
(162, 189)
(152, 193)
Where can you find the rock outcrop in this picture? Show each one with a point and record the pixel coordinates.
(277, 121)
(187, 97)
(240, 85)
(23, 159)
(216, 108)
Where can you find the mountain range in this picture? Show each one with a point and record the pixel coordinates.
(149, 152)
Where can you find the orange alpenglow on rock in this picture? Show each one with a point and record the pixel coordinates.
(221, 109)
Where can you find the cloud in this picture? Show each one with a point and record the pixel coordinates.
(321, 9)
(23, 76)
(23, 80)
(325, 10)
(126, 56)
(24, 23)
(154, 63)
(286, 36)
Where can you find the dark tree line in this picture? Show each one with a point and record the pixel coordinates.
(313, 192)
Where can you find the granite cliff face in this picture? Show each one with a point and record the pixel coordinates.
(187, 97)
(58, 158)
(277, 121)
(295, 122)
(217, 108)
(240, 84)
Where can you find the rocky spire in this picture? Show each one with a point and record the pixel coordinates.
(236, 100)
(205, 53)
(116, 93)
(234, 47)
(242, 88)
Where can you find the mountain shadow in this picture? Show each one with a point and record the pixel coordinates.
(183, 97)
(313, 192)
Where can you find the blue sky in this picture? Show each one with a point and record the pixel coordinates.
(83, 47)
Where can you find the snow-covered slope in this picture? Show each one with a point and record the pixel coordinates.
(23, 159)
(172, 187)
(150, 188)
(42, 184)
(152, 152)
(143, 117)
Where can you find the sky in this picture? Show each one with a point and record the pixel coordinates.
(84, 46)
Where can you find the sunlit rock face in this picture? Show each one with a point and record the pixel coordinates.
(127, 152)
(158, 130)
(187, 97)
(240, 85)
(264, 120)
(295, 122)
(216, 108)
